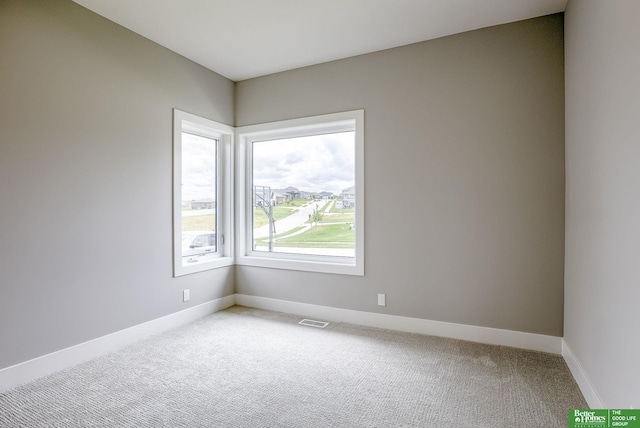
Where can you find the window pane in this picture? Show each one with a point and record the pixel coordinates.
(199, 164)
(304, 195)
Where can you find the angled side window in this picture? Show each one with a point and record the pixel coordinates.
(201, 194)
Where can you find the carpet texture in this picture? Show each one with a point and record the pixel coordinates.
(251, 368)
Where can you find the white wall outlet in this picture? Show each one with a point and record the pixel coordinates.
(185, 295)
(382, 299)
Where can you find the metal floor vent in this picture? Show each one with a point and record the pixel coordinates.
(312, 323)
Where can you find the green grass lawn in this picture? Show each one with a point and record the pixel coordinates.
(265, 241)
(321, 236)
(298, 202)
(338, 217)
(279, 212)
(335, 215)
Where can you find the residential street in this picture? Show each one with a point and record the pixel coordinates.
(291, 222)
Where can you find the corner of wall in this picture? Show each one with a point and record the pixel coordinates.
(585, 385)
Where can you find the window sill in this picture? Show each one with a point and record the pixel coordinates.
(282, 261)
(218, 262)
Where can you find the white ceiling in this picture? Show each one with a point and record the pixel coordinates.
(241, 39)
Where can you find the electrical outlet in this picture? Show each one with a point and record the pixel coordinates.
(382, 299)
(185, 295)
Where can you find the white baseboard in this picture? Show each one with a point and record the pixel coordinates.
(46, 364)
(590, 394)
(493, 336)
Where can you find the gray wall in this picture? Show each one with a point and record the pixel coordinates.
(464, 175)
(464, 170)
(85, 167)
(602, 291)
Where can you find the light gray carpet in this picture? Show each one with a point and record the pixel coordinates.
(252, 368)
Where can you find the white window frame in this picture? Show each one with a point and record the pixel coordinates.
(183, 121)
(329, 123)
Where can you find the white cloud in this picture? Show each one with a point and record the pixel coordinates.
(315, 163)
(198, 167)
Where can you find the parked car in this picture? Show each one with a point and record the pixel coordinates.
(198, 243)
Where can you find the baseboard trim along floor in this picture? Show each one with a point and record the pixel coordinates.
(588, 391)
(492, 336)
(55, 361)
(46, 364)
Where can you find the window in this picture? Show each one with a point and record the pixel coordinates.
(201, 193)
(301, 194)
